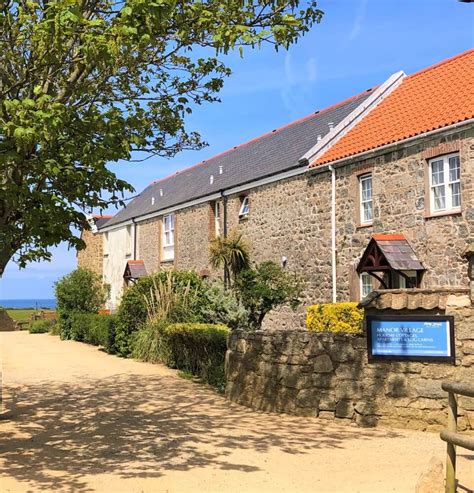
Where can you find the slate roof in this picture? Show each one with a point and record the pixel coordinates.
(273, 153)
(435, 97)
(101, 220)
(398, 253)
(135, 269)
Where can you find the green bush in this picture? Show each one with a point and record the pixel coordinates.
(264, 288)
(80, 291)
(222, 307)
(198, 349)
(335, 317)
(132, 312)
(91, 328)
(41, 326)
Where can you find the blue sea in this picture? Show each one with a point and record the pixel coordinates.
(49, 304)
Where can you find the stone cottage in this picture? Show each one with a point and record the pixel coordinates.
(374, 191)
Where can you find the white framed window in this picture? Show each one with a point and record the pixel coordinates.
(168, 237)
(244, 208)
(445, 183)
(217, 218)
(365, 194)
(366, 286)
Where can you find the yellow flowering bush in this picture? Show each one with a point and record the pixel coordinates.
(335, 317)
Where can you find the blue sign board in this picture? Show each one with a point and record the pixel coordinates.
(416, 338)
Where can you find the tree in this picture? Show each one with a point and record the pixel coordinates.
(87, 82)
(264, 288)
(231, 253)
(80, 291)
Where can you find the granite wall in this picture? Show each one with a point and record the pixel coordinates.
(328, 376)
(92, 257)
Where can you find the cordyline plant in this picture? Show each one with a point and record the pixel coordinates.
(87, 82)
(232, 253)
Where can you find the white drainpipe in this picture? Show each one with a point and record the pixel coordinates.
(333, 232)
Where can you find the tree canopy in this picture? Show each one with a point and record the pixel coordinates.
(87, 82)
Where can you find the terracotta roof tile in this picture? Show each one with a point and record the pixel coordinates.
(435, 97)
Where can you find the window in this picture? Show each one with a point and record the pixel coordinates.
(217, 218)
(445, 183)
(168, 237)
(244, 207)
(366, 286)
(410, 281)
(365, 191)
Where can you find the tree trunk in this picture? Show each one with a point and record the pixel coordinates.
(5, 256)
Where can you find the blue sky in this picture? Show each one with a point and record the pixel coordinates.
(357, 45)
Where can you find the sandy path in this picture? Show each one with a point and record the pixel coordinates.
(79, 420)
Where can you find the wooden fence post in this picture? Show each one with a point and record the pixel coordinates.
(451, 454)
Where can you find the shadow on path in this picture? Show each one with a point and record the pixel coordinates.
(141, 426)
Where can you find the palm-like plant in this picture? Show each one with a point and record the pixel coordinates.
(231, 253)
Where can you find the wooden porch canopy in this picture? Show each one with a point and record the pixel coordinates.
(134, 269)
(387, 255)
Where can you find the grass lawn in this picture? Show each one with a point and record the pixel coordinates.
(21, 315)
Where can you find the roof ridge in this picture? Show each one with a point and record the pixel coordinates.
(442, 62)
(266, 134)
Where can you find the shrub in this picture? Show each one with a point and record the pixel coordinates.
(264, 288)
(222, 307)
(133, 311)
(91, 328)
(41, 326)
(194, 348)
(80, 291)
(147, 343)
(335, 317)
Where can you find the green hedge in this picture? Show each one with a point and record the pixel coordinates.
(91, 328)
(335, 317)
(41, 326)
(195, 348)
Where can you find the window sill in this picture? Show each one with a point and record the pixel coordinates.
(456, 212)
(362, 226)
(243, 218)
(167, 261)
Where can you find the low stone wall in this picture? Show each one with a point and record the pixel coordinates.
(328, 376)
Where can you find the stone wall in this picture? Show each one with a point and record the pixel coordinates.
(401, 205)
(93, 255)
(328, 376)
(149, 243)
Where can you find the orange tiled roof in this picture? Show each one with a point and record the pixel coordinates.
(433, 98)
(385, 237)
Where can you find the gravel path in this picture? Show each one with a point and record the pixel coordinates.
(76, 419)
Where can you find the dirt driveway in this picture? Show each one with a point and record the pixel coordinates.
(76, 419)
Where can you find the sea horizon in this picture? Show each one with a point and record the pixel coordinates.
(35, 303)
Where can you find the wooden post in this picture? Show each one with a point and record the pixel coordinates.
(451, 454)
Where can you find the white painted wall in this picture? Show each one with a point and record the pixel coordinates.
(118, 248)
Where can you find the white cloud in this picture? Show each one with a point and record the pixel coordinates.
(359, 20)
